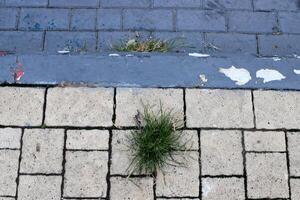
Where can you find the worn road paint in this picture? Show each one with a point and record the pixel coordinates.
(199, 55)
(241, 76)
(63, 52)
(114, 55)
(296, 56)
(297, 71)
(269, 75)
(276, 59)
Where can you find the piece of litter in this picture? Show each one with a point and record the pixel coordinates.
(203, 78)
(276, 59)
(63, 51)
(129, 55)
(297, 71)
(114, 55)
(199, 55)
(241, 76)
(269, 75)
(296, 56)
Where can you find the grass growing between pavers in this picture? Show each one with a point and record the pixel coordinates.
(156, 142)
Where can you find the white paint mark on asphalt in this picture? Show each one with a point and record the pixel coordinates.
(297, 71)
(199, 55)
(129, 55)
(114, 55)
(276, 59)
(269, 75)
(203, 78)
(296, 56)
(241, 76)
(63, 51)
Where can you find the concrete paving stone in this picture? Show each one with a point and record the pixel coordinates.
(295, 189)
(264, 141)
(8, 18)
(88, 167)
(288, 20)
(87, 139)
(9, 162)
(31, 3)
(74, 3)
(39, 187)
(21, 106)
(83, 19)
(267, 175)
(7, 198)
(219, 108)
(223, 188)
(178, 3)
(221, 152)
(227, 4)
(129, 100)
(79, 107)
(199, 20)
(10, 138)
(125, 3)
(180, 180)
(109, 19)
(294, 152)
(42, 151)
(190, 138)
(275, 5)
(178, 199)
(131, 188)
(277, 109)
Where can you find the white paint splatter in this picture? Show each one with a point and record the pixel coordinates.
(241, 76)
(269, 75)
(63, 51)
(203, 78)
(114, 55)
(297, 71)
(206, 188)
(276, 59)
(129, 55)
(199, 55)
(296, 56)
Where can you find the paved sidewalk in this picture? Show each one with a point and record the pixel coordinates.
(70, 143)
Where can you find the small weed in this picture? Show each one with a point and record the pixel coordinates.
(156, 141)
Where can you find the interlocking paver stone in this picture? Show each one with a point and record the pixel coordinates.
(178, 3)
(223, 188)
(180, 180)
(277, 109)
(126, 3)
(221, 152)
(132, 188)
(275, 5)
(8, 18)
(9, 160)
(74, 3)
(219, 108)
(88, 167)
(10, 138)
(87, 139)
(39, 187)
(295, 189)
(267, 175)
(227, 4)
(109, 19)
(294, 152)
(42, 151)
(264, 141)
(129, 100)
(287, 21)
(83, 19)
(79, 107)
(21, 106)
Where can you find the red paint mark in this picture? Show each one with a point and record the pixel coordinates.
(18, 71)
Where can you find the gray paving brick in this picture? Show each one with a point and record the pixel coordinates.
(200, 20)
(275, 109)
(267, 175)
(31, 3)
(131, 188)
(39, 187)
(88, 167)
(75, 41)
(219, 108)
(234, 43)
(241, 21)
(280, 45)
(294, 152)
(223, 188)
(23, 41)
(139, 19)
(295, 189)
(79, 107)
(74, 3)
(129, 100)
(125, 3)
(178, 199)
(42, 151)
(180, 180)
(87, 139)
(109, 19)
(83, 19)
(7, 198)
(288, 20)
(275, 5)
(25, 107)
(221, 152)
(264, 141)
(178, 3)
(9, 160)
(227, 4)
(37, 19)
(8, 18)
(10, 137)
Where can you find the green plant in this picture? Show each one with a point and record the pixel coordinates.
(156, 142)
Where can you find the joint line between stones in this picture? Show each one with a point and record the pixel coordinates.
(44, 107)
(244, 165)
(253, 109)
(288, 164)
(63, 163)
(19, 164)
(108, 188)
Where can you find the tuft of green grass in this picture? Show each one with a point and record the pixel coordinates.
(150, 45)
(156, 141)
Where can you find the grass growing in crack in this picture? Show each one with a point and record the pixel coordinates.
(156, 143)
(150, 45)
